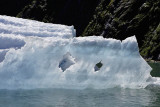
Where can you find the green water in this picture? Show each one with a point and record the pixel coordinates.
(155, 69)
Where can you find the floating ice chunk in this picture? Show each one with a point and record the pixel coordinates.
(36, 53)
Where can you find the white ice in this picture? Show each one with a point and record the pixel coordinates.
(39, 55)
(24, 27)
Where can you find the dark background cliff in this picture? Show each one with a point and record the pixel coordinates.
(109, 18)
(122, 18)
(12, 7)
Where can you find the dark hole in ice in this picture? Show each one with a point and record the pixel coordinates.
(98, 66)
(66, 61)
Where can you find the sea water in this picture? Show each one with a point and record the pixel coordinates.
(114, 97)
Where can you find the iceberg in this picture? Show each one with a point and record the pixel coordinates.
(41, 55)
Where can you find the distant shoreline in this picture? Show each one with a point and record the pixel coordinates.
(152, 61)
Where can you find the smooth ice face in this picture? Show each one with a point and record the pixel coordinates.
(60, 62)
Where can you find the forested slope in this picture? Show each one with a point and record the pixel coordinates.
(123, 18)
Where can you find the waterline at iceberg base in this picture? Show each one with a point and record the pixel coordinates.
(39, 55)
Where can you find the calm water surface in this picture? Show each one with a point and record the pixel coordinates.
(115, 97)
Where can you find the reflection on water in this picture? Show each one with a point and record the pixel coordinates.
(115, 97)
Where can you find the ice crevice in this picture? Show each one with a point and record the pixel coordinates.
(41, 55)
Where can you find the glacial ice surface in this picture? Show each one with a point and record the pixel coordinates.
(42, 55)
